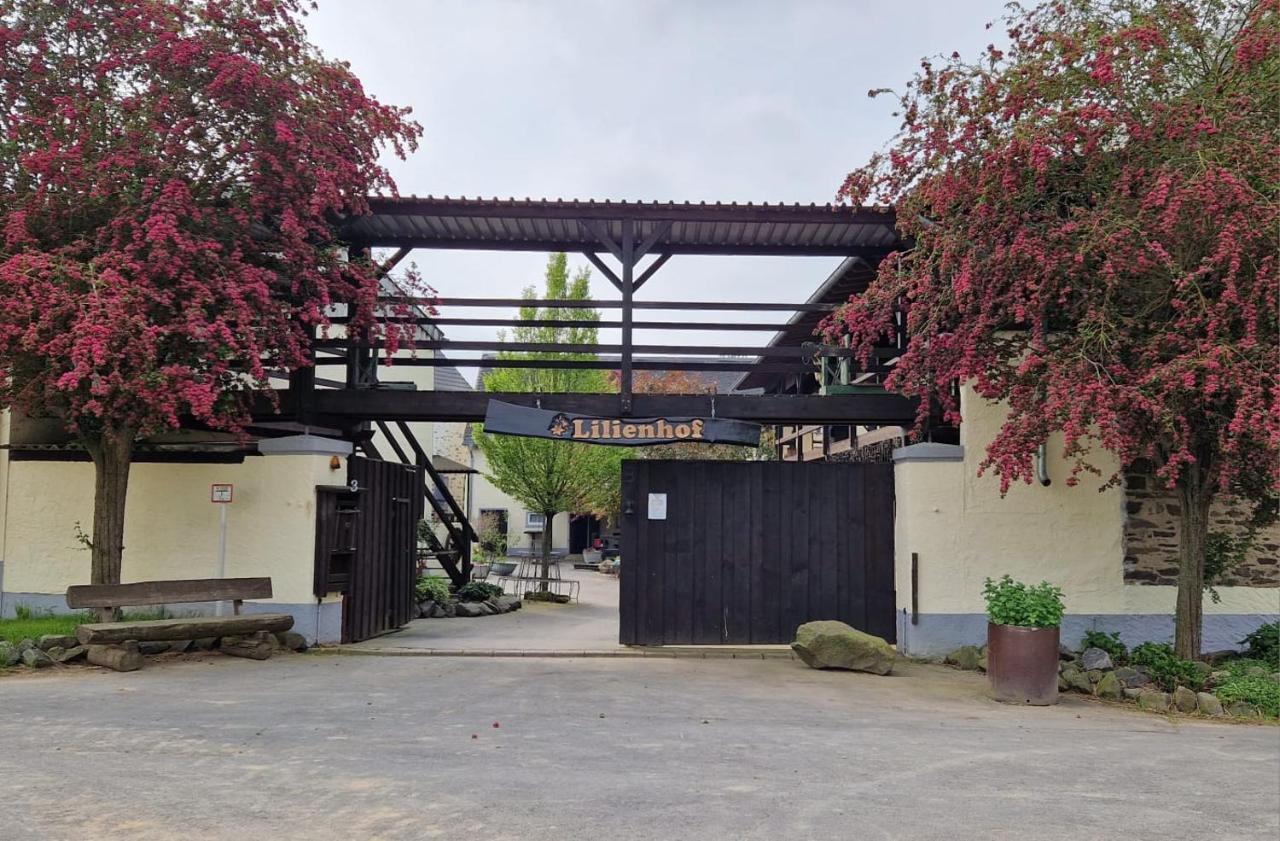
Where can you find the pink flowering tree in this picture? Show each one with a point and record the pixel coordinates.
(171, 170)
(1094, 217)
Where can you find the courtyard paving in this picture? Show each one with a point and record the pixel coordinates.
(321, 746)
(588, 625)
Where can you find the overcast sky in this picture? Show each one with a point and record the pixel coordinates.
(699, 100)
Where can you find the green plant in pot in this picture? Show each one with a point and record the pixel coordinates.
(1023, 623)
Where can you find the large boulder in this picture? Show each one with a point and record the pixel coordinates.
(1185, 700)
(1149, 699)
(829, 644)
(1208, 704)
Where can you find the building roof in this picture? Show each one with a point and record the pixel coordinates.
(851, 277)
(449, 379)
(573, 225)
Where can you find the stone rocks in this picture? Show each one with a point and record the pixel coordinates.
(1131, 694)
(965, 657)
(63, 641)
(1077, 680)
(430, 609)
(1094, 675)
(830, 644)
(36, 659)
(25, 644)
(1185, 700)
(1062, 684)
(1109, 687)
(1208, 703)
(982, 660)
(1256, 671)
(1095, 658)
(70, 655)
(1242, 710)
(1156, 701)
(1065, 653)
(292, 640)
(1131, 678)
(9, 655)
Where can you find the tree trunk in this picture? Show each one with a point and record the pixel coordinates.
(112, 454)
(546, 550)
(1195, 493)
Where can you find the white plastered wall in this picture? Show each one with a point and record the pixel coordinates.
(963, 531)
(171, 527)
(485, 495)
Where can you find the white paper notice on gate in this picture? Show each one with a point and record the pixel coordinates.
(657, 506)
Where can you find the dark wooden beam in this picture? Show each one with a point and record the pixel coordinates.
(660, 230)
(603, 364)
(702, 326)
(652, 269)
(604, 270)
(628, 257)
(339, 406)
(600, 232)
(563, 303)
(395, 445)
(792, 352)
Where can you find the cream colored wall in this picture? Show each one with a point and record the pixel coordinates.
(171, 527)
(4, 482)
(963, 531)
(484, 494)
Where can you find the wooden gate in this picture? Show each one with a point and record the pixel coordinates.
(748, 551)
(366, 545)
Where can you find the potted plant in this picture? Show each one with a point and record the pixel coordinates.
(1022, 640)
(480, 565)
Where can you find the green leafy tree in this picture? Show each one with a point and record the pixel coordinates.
(552, 476)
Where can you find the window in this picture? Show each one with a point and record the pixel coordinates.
(534, 521)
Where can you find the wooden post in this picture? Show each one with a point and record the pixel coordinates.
(628, 293)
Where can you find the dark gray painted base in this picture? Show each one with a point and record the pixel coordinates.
(317, 622)
(940, 633)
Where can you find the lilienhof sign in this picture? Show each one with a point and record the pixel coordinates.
(509, 419)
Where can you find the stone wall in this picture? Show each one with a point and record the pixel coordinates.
(1151, 536)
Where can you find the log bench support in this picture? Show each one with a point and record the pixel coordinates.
(115, 644)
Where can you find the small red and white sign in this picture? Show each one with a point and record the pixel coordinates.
(220, 493)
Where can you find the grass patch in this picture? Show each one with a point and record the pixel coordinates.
(31, 624)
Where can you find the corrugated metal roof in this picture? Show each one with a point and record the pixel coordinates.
(852, 276)
(676, 227)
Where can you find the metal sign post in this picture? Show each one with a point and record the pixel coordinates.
(221, 495)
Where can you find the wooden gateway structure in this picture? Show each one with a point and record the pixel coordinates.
(627, 243)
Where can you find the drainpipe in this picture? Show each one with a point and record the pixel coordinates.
(1042, 466)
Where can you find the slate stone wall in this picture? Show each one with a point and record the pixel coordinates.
(1151, 536)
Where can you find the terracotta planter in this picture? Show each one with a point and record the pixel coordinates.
(1022, 664)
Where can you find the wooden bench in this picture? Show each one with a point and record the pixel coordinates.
(113, 644)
